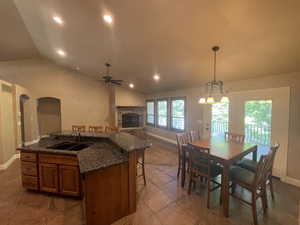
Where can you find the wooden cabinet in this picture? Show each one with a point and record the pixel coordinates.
(69, 180)
(30, 182)
(52, 173)
(29, 168)
(48, 177)
(29, 171)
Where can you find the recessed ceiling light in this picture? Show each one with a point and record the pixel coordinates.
(131, 85)
(58, 20)
(108, 19)
(61, 52)
(156, 77)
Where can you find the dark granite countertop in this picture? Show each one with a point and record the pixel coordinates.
(107, 149)
(126, 141)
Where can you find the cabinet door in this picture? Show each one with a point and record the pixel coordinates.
(48, 174)
(69, 181)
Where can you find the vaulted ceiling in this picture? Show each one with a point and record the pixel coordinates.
(15, 40)
(169, 37)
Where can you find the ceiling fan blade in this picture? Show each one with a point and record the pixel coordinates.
(117, 80)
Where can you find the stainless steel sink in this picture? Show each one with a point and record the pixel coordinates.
(70, 146)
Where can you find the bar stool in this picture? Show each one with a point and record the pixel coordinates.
(96, 129)
(77, 128)
(141, 164)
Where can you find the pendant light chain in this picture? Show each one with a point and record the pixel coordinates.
(215, 66)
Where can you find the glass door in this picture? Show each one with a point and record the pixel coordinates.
(258, 124)
(219, 119)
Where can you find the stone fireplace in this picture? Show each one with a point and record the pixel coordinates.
(130, 117)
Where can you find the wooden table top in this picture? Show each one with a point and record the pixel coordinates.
(224, 150)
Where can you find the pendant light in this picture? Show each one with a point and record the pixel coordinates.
(214, 88)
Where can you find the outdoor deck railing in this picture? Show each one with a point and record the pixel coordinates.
(257, 134)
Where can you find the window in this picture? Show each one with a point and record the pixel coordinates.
(162, 113)
(150, 113)
(178, 111)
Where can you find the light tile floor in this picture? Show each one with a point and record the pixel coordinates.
(161, 202)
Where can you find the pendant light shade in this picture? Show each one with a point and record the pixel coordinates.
(215, 92)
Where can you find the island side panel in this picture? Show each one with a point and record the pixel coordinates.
(106, 194)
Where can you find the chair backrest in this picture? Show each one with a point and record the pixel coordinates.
(78, 128)
(96, 129)
(182, 139)
(111, 129)
(199, 159)
(239, 138)
(274, 149)
(265, 166)
(193, 136)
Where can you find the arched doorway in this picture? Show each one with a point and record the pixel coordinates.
(24, 116)
(49, 115)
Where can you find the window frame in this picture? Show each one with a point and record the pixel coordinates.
(154, 112)
(168, 113)
(171, 113)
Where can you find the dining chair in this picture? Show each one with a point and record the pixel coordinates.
(193, 136)
(239, 138)
(78, 128)
(253, 182)
(96, 129)
(111, 129)
(182, 139)
(201, 166)
(252, 166)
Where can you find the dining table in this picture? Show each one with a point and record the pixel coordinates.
(226, 153)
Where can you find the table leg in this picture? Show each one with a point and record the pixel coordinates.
(225, 190)
(254, 155)
(183, 169)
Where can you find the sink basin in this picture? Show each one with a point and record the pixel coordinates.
(70, 146)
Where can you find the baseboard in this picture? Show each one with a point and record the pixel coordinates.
(291, 181)
(32, 142)
(162, 138)
(5, 165)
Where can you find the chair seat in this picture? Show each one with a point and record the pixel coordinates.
(248, 164)
(242, 175)
(215, 170)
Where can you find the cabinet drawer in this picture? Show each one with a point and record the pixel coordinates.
(58, 159)
(29, 168)
(28, 156)
(30, 182)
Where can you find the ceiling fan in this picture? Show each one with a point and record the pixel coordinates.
(108, 78)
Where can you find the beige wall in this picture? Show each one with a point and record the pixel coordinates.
(291, 80)
(125, 97)
(84, 100)
(7, 129)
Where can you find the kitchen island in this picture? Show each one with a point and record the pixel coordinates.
(99, 167)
